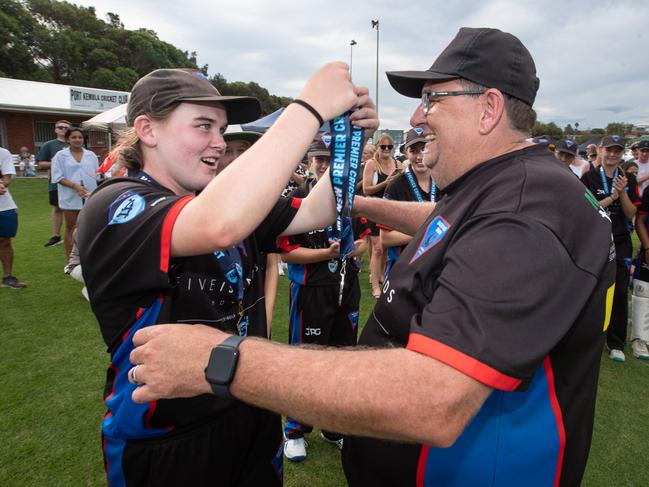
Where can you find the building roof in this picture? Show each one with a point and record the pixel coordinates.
(35, 97)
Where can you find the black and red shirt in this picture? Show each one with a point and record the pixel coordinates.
(124, 237)
(323, 273)
(507, 282)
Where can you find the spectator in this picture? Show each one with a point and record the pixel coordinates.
(591, 155)
(44, 160)
(415, 184)
(26, 165)
(566, 151)
(643, 165)
(8, 222)
(377, 174)
(75, 171)
(617, 192)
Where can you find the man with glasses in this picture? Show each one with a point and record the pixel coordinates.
(489, 330)
(44, 160)
(617, 192)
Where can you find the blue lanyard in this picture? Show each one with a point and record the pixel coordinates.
(346, 149)
(602, 175)
(415, 188)
(344, 172)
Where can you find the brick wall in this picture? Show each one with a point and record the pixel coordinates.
(20, 131)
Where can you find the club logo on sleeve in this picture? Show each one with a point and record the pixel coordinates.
(126, 207)
(434, 233)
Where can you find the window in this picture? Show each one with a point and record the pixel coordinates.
(4, 141)
(96, 139)
(43, 131)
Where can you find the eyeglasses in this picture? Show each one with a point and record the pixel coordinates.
(427, 102)
(62, 127)
(386, 147)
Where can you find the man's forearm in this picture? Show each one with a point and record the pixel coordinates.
(403, 395)
(403, 216)
(393, 393)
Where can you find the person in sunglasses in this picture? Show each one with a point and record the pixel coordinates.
(44, 159)
(481, 358)
(379, 171)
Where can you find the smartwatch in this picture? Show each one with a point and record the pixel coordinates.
(222, 366)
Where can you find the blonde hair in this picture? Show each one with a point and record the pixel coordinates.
(378, 143)
(370, 148)
(129, 152)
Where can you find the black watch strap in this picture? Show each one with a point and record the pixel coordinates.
(222, 366)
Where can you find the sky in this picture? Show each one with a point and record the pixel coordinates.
(590, 55)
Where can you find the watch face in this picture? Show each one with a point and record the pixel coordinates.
(221, 367)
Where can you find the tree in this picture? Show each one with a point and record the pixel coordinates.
(550, 129)
(48, 40)
(568, 130)
(619, 128)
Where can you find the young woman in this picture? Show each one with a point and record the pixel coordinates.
(75, 171)
(378, 173)
(154, 252)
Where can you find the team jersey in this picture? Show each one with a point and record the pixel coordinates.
(124, 237)
(621, 226)
(507, 282)
(324, 273)
(400, 189)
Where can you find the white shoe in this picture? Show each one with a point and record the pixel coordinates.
(640, 349)
(337, 443)
(616, 355)
(295, 450)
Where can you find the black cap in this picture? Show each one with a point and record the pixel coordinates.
(320, 146)
(568, 146)
(612, 141)
(412, 137)
(643, 145)
(489, 57)
(163, 87)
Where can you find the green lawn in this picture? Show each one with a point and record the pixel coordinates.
(52, 365)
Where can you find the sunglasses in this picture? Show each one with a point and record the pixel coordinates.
(386, 147)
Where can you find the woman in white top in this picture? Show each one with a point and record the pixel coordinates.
(75, 171)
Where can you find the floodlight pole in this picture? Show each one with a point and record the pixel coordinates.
(375, 25)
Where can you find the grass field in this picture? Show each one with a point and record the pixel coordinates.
(52, 365)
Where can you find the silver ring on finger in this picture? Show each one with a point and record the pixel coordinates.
(133, 376)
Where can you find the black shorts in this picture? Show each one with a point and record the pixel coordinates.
(241, 447)
(316, 318)
(54, 197)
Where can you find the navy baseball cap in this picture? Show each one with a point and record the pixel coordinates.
(568, 146)
(489, 57)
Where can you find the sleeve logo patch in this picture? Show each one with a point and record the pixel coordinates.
(433, 235)
(126, 207)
